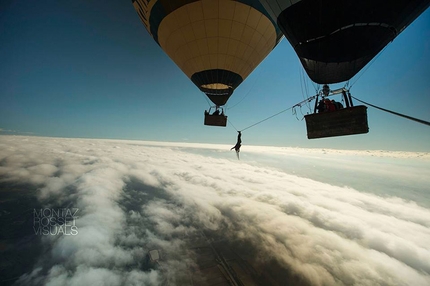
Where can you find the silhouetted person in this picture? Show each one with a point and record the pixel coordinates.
(238, 144)
(216, 112)
(326, 90)
(321, 106)
(338, 105)
(329, 106)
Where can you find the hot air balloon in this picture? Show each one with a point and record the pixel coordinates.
(334, 40)
(216, 43)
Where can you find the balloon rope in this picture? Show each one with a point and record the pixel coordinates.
(249, 91)
(367, 67)
(312, 97)
(204, 95)
(395, 113)
(231, 124)
(282, 111)
(267, 118)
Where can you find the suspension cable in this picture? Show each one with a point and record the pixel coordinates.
(231, 124)
(205, 96)
(249, 91)
(367, 67)
(246, 95)
(395, 113)
(282, 111)
(267, 118)
(313, 97)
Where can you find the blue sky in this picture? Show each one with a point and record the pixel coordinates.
(81, 69)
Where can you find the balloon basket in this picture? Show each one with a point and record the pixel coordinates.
(346, 121)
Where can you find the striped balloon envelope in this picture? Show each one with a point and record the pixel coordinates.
(216, 43)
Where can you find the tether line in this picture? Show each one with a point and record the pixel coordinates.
(205, 96)
(282, 111)
(313, 97)
(249, 91)
(367, 67)
(395, 113)
(267, 118)
(232, 124)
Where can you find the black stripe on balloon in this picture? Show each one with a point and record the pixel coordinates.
(226, 77)
(162, 8)
(217, 96)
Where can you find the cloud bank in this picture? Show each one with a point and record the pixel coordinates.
(182, 199)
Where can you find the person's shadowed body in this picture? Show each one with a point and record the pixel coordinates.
(238, 144)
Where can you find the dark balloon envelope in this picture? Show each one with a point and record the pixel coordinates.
(335, 39)
(216, 43)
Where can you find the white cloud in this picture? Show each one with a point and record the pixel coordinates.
(137, 196)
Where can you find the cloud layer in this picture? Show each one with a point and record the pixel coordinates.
(134, 197)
